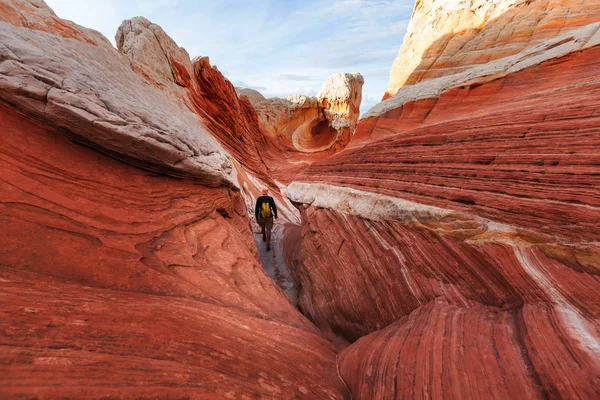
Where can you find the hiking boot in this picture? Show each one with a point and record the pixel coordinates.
(264, 237)
(268, 247)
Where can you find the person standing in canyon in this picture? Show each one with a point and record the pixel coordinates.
(265, 210)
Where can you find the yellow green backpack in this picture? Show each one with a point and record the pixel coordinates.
(265, 212)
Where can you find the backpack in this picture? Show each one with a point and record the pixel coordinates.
(265, 212)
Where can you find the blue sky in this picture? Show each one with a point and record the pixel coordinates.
(278, 47)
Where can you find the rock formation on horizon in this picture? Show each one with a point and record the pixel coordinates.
(444, 246)
(311, 124)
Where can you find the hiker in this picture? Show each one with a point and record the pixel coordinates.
(265, 210)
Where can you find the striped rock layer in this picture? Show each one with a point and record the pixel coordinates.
(454, 244)
(128, 268)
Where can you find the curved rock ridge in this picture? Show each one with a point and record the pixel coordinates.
(313, 124)
(359, 276)
(501, 161)
(92, 92)
(429, 350)
(387, 231)
(123, 281)
(455, 244)
(251, 94)
(446, 37)
(575, 40)
(241, 119)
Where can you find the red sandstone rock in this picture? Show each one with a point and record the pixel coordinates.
(470, 164)
(461, 229)
(64, 340)
(313, 124)
(484, 200)
(443, 351)
(123, 281)
(201, 87)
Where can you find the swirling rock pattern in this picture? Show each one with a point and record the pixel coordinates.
(132, 271)
(313, 124)
(444, 351)
(128, 283)
(464, 231)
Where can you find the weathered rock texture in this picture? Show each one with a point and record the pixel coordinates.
(449, 36)
(198, 85)
(118, 278)
(459, 233)
(93, 92)
(444, 351)
(312, 124)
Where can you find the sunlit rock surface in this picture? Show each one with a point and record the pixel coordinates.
(450, 36)
(93, 92)
(251, 94)
(35, 14)
(128, 267)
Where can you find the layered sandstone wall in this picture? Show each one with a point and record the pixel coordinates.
(128, 267)
(121, 283)
(455, 242)
(446, 37)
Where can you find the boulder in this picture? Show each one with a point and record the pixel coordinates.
(251, 94)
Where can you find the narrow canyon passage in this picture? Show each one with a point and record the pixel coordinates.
(442, 246)
(274, 261)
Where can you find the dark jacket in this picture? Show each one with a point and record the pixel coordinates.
(265, 199)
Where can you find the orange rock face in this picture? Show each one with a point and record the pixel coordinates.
(448, 36)
(470, 353)
(450, 251)
(201, 87)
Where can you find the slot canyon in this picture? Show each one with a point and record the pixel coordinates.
(442, 245)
